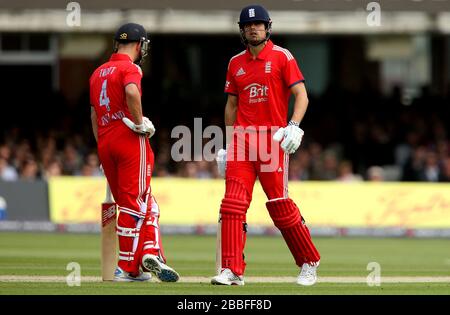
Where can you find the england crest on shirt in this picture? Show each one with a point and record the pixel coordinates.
(268, 67)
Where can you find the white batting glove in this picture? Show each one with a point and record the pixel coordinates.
(146, 128)
(292, 138)
(221, 160)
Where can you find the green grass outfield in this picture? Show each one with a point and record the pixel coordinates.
(35, 263)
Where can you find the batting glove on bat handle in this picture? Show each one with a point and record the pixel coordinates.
(292, 136)
(279, 135)
(221, 160)
(146, 128)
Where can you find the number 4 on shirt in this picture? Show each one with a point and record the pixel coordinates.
(104, 100)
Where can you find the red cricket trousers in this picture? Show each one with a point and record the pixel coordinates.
(254, 154)
(251, 155)
(127, 161)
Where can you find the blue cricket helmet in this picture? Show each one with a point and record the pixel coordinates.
(132, 32)
(253, 13)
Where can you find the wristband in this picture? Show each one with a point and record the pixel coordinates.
(294, 123)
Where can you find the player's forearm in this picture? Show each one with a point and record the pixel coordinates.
(300, 106)
(135, 109)
(133, 98)
(301, 102)
(230, 115)
(94, 123)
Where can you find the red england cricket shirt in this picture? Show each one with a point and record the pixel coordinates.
(262, 85)
(107, 90)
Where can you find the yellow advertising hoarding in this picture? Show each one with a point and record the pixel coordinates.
(196, 202)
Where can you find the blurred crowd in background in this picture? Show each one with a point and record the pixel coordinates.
(347, 138)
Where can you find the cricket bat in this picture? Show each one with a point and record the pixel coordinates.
(219, 246)
(109, 237)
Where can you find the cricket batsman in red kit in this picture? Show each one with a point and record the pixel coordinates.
(259, 82)
(122, 134)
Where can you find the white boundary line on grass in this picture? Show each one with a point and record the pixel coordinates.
(193, 279)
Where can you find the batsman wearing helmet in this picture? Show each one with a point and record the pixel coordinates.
(259, 83)
(122, 135)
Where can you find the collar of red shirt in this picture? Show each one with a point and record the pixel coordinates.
(263, 53)
(117, 56)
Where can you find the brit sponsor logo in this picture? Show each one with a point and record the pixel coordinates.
(257, 93)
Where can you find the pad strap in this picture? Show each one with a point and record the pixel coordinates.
(134, 213)
(127, 256)
(127, 232)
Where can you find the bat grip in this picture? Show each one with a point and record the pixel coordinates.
(108, 197)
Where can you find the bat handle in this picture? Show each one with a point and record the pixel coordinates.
(108, 197)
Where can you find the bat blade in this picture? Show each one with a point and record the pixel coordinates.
(109, 240)
(219, 247)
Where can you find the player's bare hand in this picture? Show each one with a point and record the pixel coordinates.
(146, 128)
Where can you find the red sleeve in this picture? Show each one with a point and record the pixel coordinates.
(291, 72)
(133, 74)
(230, 86)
